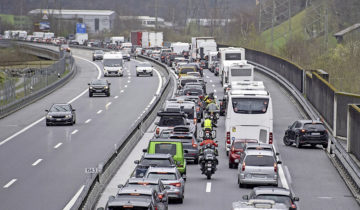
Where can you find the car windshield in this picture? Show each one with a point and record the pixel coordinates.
(193, 92)
(171, 121)
(259, 160)
(277, 198)
(112, 62)
(157, 162)
(317, 126)
(99, 82)
(241, 72)
(186, 70)
(162, 176)
(184, 81)
(60, 108)
(165, 148)
(232, 56)
(250, 105)
(144, 64)
(100, 52)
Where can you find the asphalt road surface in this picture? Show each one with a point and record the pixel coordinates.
(43, 167)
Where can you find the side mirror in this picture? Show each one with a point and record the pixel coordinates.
(120, 186)
(296, 199)
(136, 161)
(109, 83)
(245, 197)
(183, 176)
(144, 150)
(46, 110)
(279, 162)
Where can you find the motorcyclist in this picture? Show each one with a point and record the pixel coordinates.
(208, 124)
(208, 144)
(210, 98)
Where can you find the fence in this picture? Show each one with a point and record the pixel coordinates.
(354, 131)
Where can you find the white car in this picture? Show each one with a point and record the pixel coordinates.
(144, 68)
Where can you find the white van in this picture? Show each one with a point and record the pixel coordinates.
(249, 116)
(113, 64)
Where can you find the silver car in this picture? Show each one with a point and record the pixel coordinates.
(258, 167)
(170, 177)
(258, 204)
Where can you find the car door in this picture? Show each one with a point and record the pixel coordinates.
(296, 129)
(290, 131)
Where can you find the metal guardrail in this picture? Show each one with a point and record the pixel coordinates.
(95, 184)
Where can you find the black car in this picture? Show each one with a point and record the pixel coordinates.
(60, 114)
(98, 55)
(306, 132)
(147, 160)
(99, 86)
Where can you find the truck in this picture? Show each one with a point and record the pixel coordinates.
(228, 57)
(179, 47)
(38, 35)
(147, 39)
(195, 46)
(117, 40)
(81, 38)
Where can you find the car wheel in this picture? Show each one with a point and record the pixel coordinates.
(151, 74)
(90, 94)
(241, 185)
(286, 141)
(231, 165)
(181, 200)
(313, 145)
(227, 153)
(47, 124)
(137, 75)
(325, 146)
(196, 161)
(108, 94)
(297, 142)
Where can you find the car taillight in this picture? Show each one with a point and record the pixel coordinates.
(228, 137)
(160, 196)
(293, 206)
(193, 144)
(176, 184)
(303, 130)
(270, 138)
(243, 166)
(217, 68)
(275, 167)
(195, 121)
(157, 130)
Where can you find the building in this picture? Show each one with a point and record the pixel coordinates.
(147, 21)
(95, 20)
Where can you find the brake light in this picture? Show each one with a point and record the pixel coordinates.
(228, 137)
(178, 184)
(293, 206)
(160, 196)
(270, 138)
(217, 68)
(195, 121)
(303, 130)
(157, 130)
(243, 166)
(275, 167)
(193, 144)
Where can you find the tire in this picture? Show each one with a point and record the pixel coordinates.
(196, 161)
(242, 185)
(137, 75)
(208, 176)
(90, 94)
(231, 165)
(181, 200)
(151, 74)
(108, 94)
(47, 124)
(297, 142)
(286, 141)
(325, 146)
(227, 153)
(313, 145)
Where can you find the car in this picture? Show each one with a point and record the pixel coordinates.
(60, 114)
(192, 91)
(258, 167)
(99, 86)
(197, 101)
(191, 79)
(277, 194)
(144, 68)
(98, 55)
(126, 55)
(236, 149)
(170, 177)
(258, 204)
(155, 184)
(195, 85)
(147, 160)
(129, 202)
(169, 119)
(74, 42)
(303, 132)
(134, 193)
(183, 70)
(65, 48)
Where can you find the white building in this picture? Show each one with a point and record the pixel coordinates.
(95, 20)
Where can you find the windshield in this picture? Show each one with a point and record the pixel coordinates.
(157, 162)
(165, 148)
(99, 52)
(232, 56)
(171, 121)
(112, 62)
(259, 160)
(310, 126)
(241, 72)
(184, 81)
(186, 70)
(193, 92)
(144, 64)
(162, 176)
(60, 108)
(99, 82)
(250, 105)
(277, 198)
(128, 207)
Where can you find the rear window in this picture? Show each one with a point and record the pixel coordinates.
(241, 72)
(259, 160)
(186, 70)
(184, 81)
(317, 126)
(171, 121)
(277, 198)
(162, 176)
(164, 148)
(239, 145)
(250, 105)
(128, 207)
(193, 92)
(157, 162)
(232, 56)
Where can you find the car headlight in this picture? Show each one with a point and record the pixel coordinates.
(67, 116)
(106, 87)
(49, 116)
(90, 88)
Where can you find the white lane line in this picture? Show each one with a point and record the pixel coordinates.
(214, 91)
(208, 187)
(72, 201)
(107, 105)
(36, 162)
(207, 77)
(129, 81)
(43, 118)
(116, 97)
(87, 121)
(213, 85)
(121, 91)
(74, 132)
(125, 86)
(152, 100)
(211, 81)
(10, 183)
(98, 112)
(160, 82)
(58, 145)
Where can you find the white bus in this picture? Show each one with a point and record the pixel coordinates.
(249, 116)
(113, 64)
(229, 56)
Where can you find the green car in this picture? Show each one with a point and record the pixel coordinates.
(174, 148)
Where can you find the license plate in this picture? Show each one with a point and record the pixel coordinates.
(58, 119)
(315, 134)
(259, 176)
(98, 91)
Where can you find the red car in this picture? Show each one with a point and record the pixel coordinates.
(237, 147)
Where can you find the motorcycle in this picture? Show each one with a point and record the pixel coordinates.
(208, 134)
(208, 160)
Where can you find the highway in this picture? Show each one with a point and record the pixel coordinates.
(44, 167)
(307, 171)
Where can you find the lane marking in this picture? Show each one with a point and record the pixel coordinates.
(87, 121)
(208, 187)
(107, 105)
(214, 91)
(72, 201)
(207, 77)
(213, 85)
(74, 132)
(98, 112)
(121, 91)
(160, 82)
(125, 86)
(211, 81)
(116, 97)
(10, 183)
(43, 118)
(129, 81)
(58, 145)
(36, 162)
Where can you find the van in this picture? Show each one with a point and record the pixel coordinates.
(166, 146)
(113, 64)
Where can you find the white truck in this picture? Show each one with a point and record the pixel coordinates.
(212, 58)
(179, 47)
(113, 64)
(38, 34)
(117, 40)
(152, 39)
(49, 35)
(229, 56)
(195, 46)
(81, 38)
